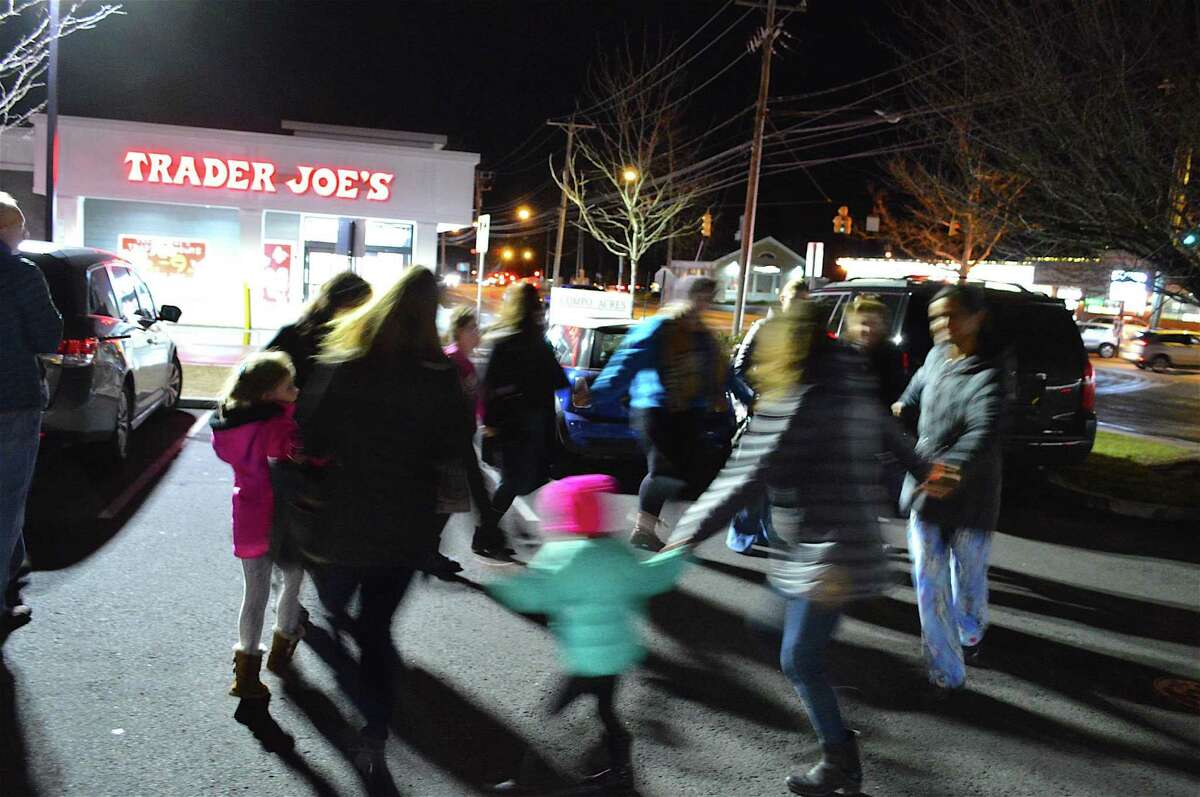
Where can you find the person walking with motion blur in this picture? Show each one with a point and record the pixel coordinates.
(750, 531)
(518, 403)
(812, 450)
(464, 339)
(302, 340)
(385, 408)
(252, 426)
(675, 374)
(957, 396)
(592, 587)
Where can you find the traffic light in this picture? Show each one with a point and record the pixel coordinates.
(706, 224)
(1191, 238)
(842, 223)
(952, 227)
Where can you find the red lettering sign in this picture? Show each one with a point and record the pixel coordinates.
(236, 174)
(175, 256)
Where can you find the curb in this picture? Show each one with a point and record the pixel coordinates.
(197, 404)
(1121, 506)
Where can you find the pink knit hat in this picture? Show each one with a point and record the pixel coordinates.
(573, 505)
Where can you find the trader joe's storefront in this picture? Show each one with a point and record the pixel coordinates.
(220, 221)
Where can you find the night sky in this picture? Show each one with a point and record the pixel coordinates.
(487, 74)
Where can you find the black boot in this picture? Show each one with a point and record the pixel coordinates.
(839, 770)
(618, 778)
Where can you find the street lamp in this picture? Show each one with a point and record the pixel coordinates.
(523, 213)
(507, 253)
(527, 254)
(629, 174)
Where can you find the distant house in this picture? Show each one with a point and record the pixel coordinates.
(773, 264)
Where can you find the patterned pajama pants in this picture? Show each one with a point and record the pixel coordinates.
(950, 578)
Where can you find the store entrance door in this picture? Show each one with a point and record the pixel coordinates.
(321, 263)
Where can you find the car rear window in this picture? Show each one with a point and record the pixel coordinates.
(1044, 337)
(606, 342)
(63, 282)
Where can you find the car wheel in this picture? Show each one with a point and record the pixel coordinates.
(1107, 350)
(118, 444)
(174, 386)
(1160, 364)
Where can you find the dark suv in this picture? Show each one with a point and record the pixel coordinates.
(1051, 417)
(116, 364)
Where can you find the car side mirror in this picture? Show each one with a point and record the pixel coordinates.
(169, 312)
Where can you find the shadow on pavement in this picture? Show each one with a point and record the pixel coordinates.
(14, 758)
(1106, 611)
(1091, 678)
(433, 719)
(1034, 510)
(255, 715)
(81, 499)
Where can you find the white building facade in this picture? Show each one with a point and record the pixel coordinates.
(219, 220)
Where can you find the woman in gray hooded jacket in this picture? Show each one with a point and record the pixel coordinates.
(813, 450)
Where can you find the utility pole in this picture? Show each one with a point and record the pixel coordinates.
(767, 43)
(570, 127)
(51, 117)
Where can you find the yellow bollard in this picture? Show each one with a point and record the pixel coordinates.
(246, 305)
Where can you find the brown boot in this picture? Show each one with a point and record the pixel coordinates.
(283, 647)
(645, 533)
(246, 684)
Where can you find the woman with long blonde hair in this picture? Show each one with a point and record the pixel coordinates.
(386, 408)
(813, 451)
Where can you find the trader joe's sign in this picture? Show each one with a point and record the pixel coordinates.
(176, 256)
(205, 171)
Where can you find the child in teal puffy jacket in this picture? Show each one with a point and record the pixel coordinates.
(592, 587)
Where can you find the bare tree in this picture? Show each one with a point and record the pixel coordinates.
(22, 68)
(622, 174)
(957, 206)
(1092, 106)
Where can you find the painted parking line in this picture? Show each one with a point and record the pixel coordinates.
(200, 424)
(152, 472)
(520, 504)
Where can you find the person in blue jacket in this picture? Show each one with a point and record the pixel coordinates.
(675, 374)
(29, 325)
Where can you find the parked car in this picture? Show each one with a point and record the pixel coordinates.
(1051, 413)
(1100, 338)
(1100, 335)
(583, 348)
(1163, 349)
(117, 364)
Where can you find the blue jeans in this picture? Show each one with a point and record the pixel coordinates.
(950, 578)
(807, 628)
(18, 453)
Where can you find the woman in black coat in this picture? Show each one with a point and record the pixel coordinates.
(518, 398)
(385, 407)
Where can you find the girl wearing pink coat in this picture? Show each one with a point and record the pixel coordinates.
(253, 425)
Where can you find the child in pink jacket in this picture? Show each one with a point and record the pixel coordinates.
(253, 425)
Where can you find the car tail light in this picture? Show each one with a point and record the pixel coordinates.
(1088, 394)
(77, 351)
